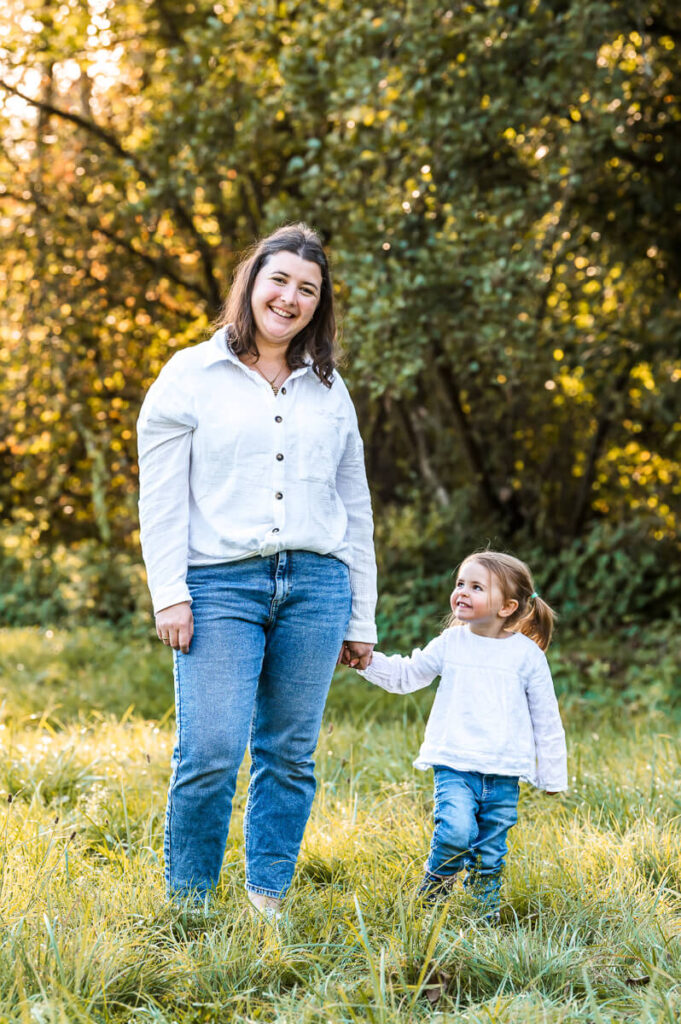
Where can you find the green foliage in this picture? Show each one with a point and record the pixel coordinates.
(80, 583)
(500, 188)
(612, 577)
(612, 581)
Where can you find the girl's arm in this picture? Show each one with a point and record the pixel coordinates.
(549, 735)
(404, 675)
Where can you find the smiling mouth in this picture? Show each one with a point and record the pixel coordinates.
(283, 313)
(462, 604)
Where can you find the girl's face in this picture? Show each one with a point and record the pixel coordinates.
(285, 296)
(478, 600)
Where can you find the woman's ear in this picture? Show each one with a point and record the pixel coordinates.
(509, 608)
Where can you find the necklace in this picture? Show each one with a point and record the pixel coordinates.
(272, 383)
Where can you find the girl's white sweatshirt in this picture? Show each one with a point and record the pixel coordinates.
(495, 710)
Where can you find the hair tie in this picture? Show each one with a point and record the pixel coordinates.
(533, 595)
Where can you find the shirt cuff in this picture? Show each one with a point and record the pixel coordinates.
(372, 674)
(557, 785)
(362, 631)
(164, 597)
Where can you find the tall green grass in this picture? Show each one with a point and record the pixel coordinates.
(592, 913)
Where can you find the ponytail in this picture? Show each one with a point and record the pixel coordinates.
(537, 622)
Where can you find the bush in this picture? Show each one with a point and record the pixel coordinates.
(71, 585)
(615, 575)
(614, 578)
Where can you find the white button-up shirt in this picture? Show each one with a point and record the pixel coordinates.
(229, 471)
(495, 710)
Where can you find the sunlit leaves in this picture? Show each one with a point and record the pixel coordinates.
(497, 185)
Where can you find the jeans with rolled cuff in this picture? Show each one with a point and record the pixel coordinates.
(473, 814)
(267, 633)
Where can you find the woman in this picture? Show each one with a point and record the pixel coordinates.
(257, 536)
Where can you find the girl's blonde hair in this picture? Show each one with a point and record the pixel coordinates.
(533, 616)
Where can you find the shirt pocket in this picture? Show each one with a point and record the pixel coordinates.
(321, 442)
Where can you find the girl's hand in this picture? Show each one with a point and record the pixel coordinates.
(175, 626)
(355, 654)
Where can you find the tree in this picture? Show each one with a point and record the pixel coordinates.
(498, 185)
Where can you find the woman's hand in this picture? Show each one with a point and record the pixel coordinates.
(355, 654)
(175, 626)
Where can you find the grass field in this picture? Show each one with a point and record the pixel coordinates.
(592, 916)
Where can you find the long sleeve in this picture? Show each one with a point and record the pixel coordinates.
(549, 735)
(399, 674)
(164, 431)
(229, 471)
(353, 490)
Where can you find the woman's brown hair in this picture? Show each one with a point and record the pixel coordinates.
(317, 340)
(534, 617)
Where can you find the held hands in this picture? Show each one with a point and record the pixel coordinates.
(175, 626)
(355, 654)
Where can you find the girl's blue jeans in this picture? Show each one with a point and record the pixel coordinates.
(473, 813)
(267, 633)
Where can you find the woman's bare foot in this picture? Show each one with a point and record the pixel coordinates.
(268, 906)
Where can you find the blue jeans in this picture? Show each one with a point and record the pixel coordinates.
(473, 813)
(267, 633)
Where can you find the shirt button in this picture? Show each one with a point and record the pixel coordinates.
(278, 419)
(283, 391)
(278, 495)
(279, 457)
(275, 530)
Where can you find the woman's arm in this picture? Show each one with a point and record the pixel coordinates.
(164, 432)
(353, 490)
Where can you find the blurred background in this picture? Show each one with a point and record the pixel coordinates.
(499, 186)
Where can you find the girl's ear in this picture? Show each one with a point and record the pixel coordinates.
(509, 608)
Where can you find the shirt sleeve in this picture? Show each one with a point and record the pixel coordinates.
(399, 674)
(164, 434)
(549, 735)
(353, 490)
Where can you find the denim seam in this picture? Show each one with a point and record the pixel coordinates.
(167, 846)
(278, 598)
(254, 765)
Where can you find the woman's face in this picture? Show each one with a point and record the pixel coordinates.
(285, 296)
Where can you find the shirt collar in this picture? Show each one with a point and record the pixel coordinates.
(218, 350)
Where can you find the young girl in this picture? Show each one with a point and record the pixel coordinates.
(494, 721)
